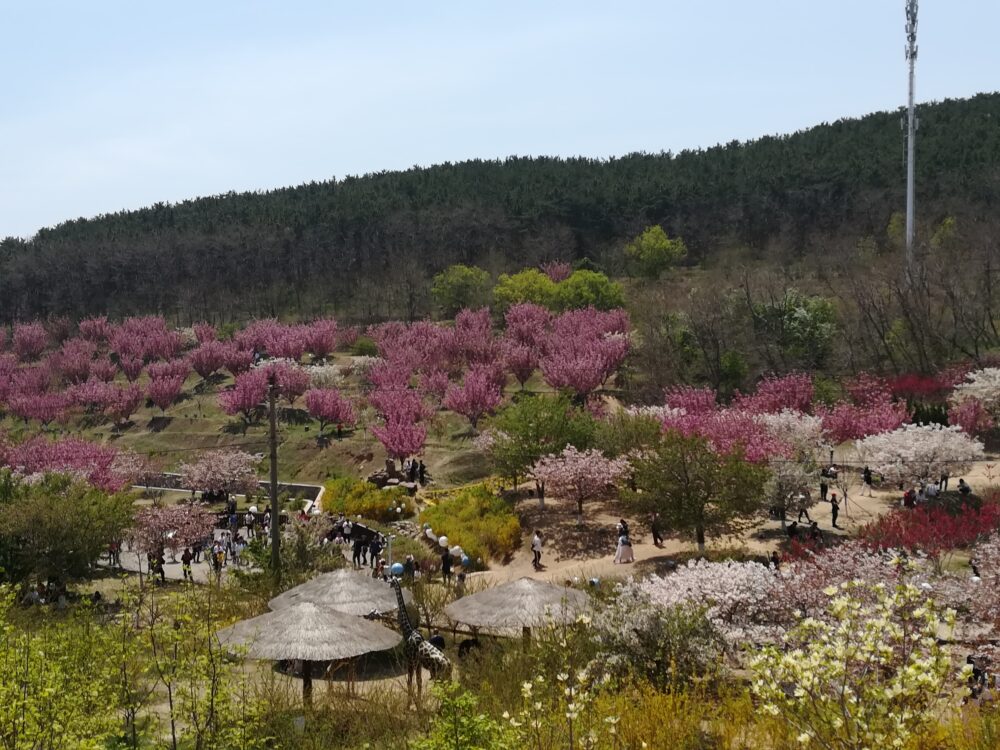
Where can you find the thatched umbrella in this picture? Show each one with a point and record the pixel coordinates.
(522, 604)
(345, 591)
(308, 633)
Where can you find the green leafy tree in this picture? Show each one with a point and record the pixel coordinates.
(696, 490)
(57, 684)
(460, 286)
(57, 527)
(796, 330)
(653, 252)
(624, 434)
(529, 285)
(589, 289)
(536, 426)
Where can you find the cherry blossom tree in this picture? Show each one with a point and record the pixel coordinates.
(691, 400)
(165, 391)
(171, 527)
(321, 337)
(847, 421)
(434, 383)
(572, 364)
(521, 359)
(29, 341)
(527, 324)
(92, 461)
(95, 329)
(208, 357)
(919, 452)
(774, 394)
(557, 270)
(983, 386)
(93, 395)
(236, 359)
(329, 406)
(399, 405)
(104, 369)
(580, 476)
(131, 366)
(401, 438)
(802, 433)
(204, 332)
(970, 415)
(473, 338)
(477, 396)
(728, 430)
(245, 397)
(290, 379)
(224, 471)
(125, 401)
(174, 368)
(389, 374)
(74, 358)
(44, 407)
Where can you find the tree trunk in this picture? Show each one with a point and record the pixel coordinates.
(699, 532)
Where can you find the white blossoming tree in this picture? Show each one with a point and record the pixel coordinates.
(867, 676)
(919, 452)
(983, 386)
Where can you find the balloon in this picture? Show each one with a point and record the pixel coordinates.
(456, 551)
(396, 569)
(466, 562)
(430, 534)
(443, 541)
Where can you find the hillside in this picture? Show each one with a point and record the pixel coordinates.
(365, 247)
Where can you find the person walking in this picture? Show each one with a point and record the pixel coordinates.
(422, 473)
(536, 550)
(446, 562)
(800, 502)
(834, 509)
(657, 528)
(943, 481)
(824, 488)
(623, 553)
(866, 477)
(160, 563)
(374, 549)
(186, 559)
(356, 553)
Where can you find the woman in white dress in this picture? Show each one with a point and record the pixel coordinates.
(624, 552)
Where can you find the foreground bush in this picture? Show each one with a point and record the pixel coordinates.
(868, 677)
(478, 521)
(354, 497)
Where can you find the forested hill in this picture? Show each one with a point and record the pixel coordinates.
(365, 247)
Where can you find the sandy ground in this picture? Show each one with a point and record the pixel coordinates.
(574, 551)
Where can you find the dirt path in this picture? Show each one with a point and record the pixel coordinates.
(582, 551)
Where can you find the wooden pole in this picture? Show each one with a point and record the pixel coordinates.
(275, 510)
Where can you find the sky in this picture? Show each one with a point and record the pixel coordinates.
(109, 105)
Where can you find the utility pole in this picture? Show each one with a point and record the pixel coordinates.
(911, 135)
(275, 510)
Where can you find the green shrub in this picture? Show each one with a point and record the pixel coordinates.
(478, 521)
(354, 497)
(364, 347)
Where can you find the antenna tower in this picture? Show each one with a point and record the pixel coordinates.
(911, 132)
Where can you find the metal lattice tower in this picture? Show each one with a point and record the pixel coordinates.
(911, 132)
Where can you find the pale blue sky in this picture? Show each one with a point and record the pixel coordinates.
(111, 105)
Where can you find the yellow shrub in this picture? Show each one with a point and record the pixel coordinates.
(354, 498)
(481, 523)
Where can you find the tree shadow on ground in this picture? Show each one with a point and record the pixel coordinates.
(565, 535)
(159, 424)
